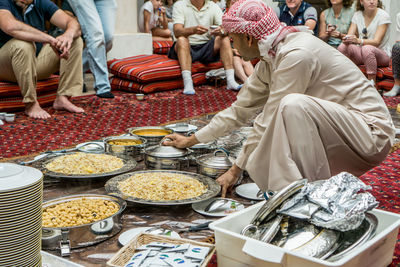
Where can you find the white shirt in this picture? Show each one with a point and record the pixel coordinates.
(148, 6)
(381, 17)
(187, 14)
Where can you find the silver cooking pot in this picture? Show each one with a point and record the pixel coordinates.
(132, 151)
(166, 157)
(182, 128)
(66, 238)
(201, 149)
(215, 164)
(152, 139)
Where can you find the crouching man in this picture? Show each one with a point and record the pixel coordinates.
(28, 54)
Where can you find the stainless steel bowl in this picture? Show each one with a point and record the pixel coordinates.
(133, 151)
(65, 238)
(215, 164)
(166, 158)
(151, 139)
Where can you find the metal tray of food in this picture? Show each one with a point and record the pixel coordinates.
(82, 235)
(129, 165)
(213, 188)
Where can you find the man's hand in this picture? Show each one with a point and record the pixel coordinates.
(63, 45)
(229, 179)
(180, 141)
(199, 29)
(217, 31)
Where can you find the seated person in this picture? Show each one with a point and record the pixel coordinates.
(311, 114)
(196, 41)
(367, 41)
(97, 19)
(153, 19)
(298, 12)
(243, 68)
(396, 62)
(335, 21)
(28, 54)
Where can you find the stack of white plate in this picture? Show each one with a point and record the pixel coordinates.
(21, 194)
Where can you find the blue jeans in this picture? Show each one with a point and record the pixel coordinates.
(97, 20)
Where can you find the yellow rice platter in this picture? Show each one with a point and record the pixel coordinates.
(87, 165)
(163, 187)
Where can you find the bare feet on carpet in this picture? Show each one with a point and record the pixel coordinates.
(62, 103)
(33, 110)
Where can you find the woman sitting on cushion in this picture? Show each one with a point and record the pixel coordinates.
(396, 62)
(367, 41)
(153, 19)
(335, 21)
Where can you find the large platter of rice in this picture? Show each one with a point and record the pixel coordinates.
(163, 187)
(87, 165)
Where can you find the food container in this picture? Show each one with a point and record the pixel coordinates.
(235, 249)
(153, 134)
(133, 151)
(166, 157)
(215, 164)
(182, 128)
(201, 149)
(10, 117)
(65, 238)
(140, 97)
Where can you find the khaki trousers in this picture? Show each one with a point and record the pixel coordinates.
(314, 139)
(18, 63)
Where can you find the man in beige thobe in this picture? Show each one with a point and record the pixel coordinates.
(319, 114)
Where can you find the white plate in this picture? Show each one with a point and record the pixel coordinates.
(248, 191)
(128, 235)
(224, 210)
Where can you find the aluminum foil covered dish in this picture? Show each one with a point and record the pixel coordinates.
(323, 219)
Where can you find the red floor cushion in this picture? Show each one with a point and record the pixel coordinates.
(382, 72)
(134, 87)
(386, 84)
(11, 98)
(162, 47)
(151, 68)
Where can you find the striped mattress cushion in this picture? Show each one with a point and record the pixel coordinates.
(11, 98)
(134, 87)
(382, 72)
(162, 47)
(151, 68)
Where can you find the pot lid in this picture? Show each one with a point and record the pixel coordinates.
(182, 127)
(13, 176)
(219, 159)
(166, 151)
(204, 145)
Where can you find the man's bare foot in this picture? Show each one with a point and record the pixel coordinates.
(62, 103)
(34, 110)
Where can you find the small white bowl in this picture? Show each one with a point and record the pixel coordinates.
(3, 115)
(10, 117)
(140, 97)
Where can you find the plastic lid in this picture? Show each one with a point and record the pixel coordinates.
(166, 151)
(219, 159)
(13, 176)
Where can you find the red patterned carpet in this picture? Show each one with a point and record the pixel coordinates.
(106, 117)
(111, 117)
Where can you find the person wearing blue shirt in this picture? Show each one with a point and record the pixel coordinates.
(28, 53)
(298, 12)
